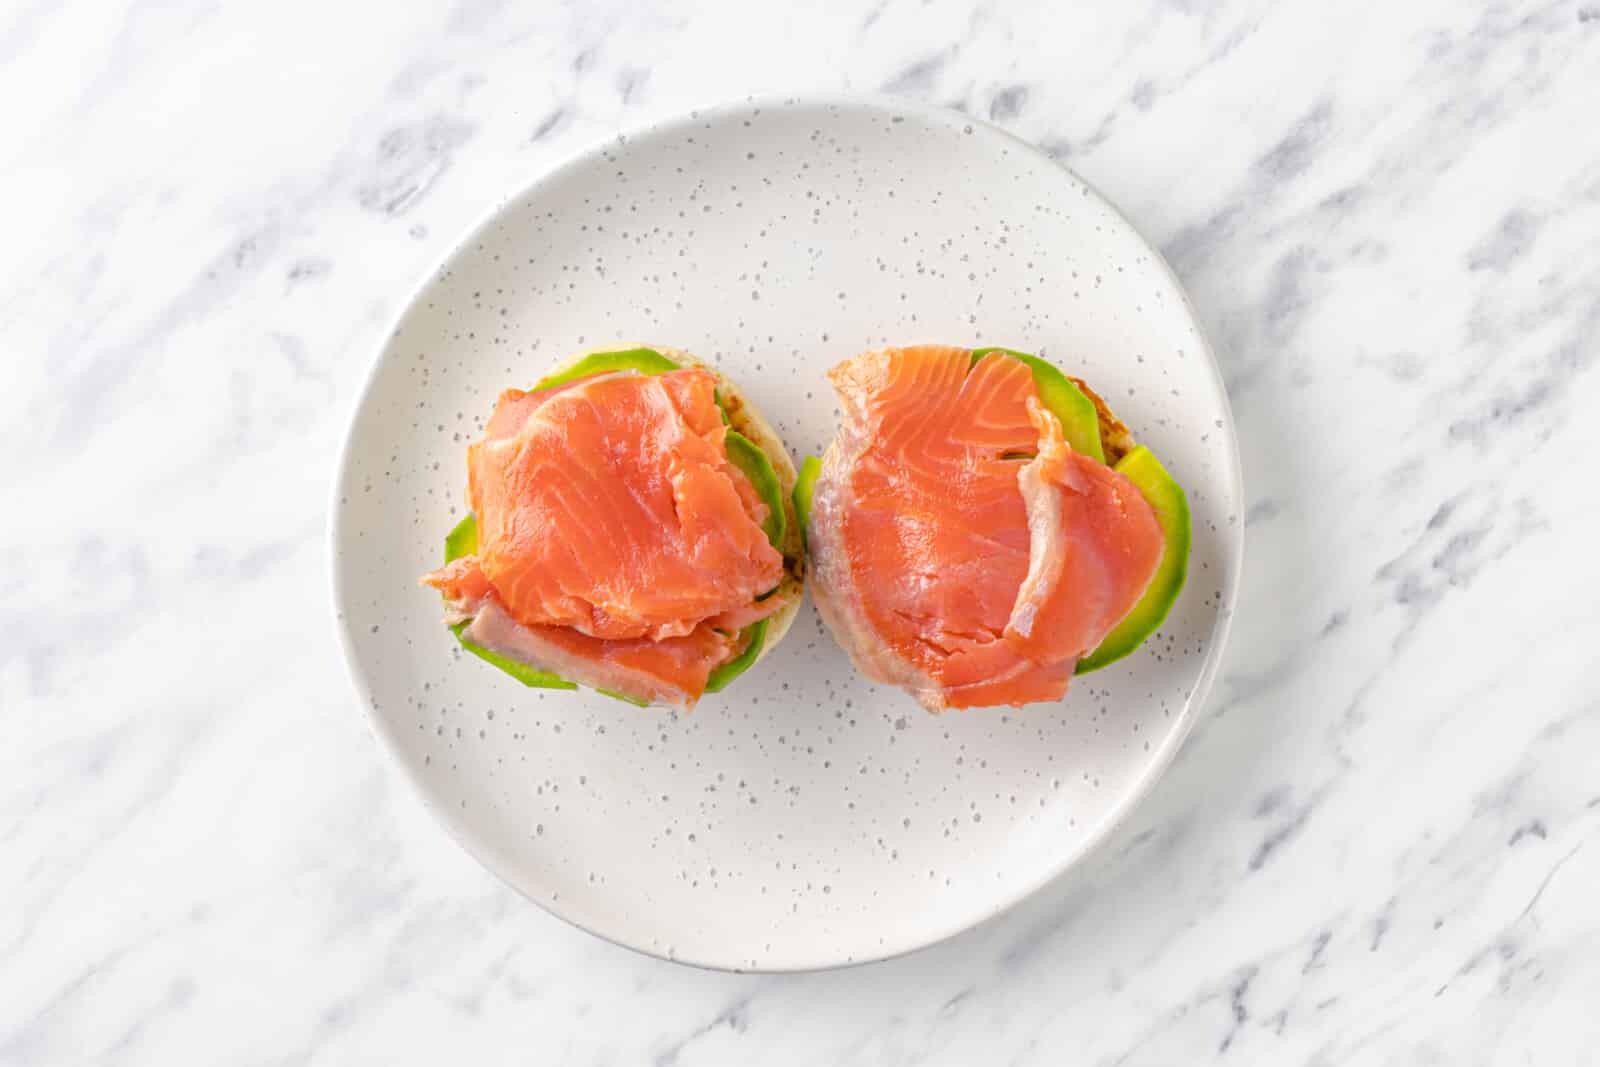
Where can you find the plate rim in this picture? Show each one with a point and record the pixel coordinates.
(880, 103)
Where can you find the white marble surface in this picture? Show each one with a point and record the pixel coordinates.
(1382, 843)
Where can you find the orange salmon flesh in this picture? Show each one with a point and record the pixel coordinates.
(617, 544)
(960, 548)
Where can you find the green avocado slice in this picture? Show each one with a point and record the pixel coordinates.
(721, 676)
(743, 453)
(1080, 423)
(804, 487)
(645, 360)
(1172, 512)
(463, 541)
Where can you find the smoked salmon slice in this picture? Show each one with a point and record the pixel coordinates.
(672, 672)
(960, 548)
(617, 545)
(1094, 545)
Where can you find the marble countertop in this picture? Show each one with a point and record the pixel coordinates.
(1380, 845)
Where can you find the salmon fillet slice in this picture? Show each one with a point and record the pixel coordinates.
(961, 550)
(1095, 544)
(617, 544)
(671, 672)
(613, 509)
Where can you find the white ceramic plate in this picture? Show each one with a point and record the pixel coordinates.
(803, 818)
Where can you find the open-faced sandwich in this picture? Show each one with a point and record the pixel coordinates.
(631, 531)
(982, 526)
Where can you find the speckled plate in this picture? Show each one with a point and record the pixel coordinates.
(803, 818)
